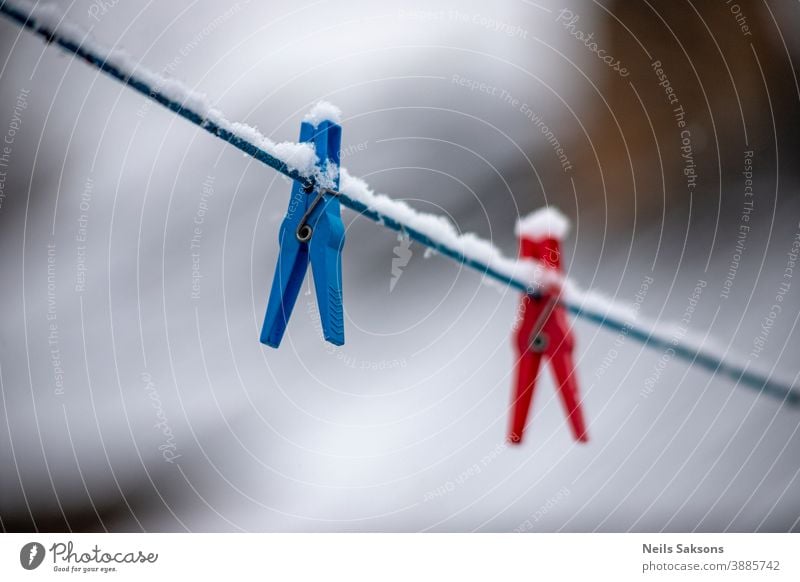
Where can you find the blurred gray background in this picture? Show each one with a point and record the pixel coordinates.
(135, 393)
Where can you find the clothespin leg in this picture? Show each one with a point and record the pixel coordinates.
(564, 372)
(326, 264)
(527, 371)
(328, 238)
(289, 274)
(292, 264)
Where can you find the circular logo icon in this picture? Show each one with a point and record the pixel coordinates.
(31, 555)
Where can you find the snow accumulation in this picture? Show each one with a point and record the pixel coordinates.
(323, 111)
(441, 230)
(547, 222)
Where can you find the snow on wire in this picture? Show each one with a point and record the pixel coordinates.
(297, 161)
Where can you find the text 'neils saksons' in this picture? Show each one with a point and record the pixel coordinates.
(681, 549)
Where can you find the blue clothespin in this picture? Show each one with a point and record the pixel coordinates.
(311, 231)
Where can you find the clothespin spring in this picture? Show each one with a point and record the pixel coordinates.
(304, 230)
(539, 339)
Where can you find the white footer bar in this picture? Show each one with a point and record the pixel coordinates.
(389, 557)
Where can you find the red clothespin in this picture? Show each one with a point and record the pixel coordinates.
(543, 329)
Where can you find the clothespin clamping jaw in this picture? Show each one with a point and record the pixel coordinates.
(312, 231)
(543, 329)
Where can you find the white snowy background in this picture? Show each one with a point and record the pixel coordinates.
(403, 428)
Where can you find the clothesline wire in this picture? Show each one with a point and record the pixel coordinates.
(695, 356)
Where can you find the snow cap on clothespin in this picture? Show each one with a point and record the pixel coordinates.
(323, 111)
(541, 233)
